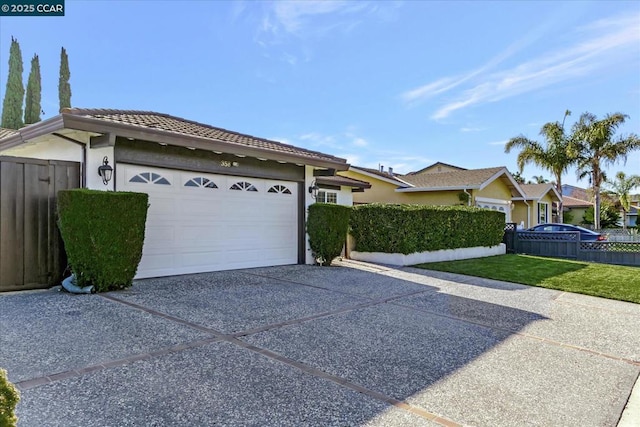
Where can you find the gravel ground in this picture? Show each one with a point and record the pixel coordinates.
(352, 345)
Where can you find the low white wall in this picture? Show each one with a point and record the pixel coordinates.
(433, 256)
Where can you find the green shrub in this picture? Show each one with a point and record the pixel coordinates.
(609, 215)
(327, 225)
(408, 229)
(9, 397)
(103, 234)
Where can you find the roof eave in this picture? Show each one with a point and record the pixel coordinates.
(424, 189)
(30, 132)
(393, 180)
(343, 183)
(91, 124)
(498, 174)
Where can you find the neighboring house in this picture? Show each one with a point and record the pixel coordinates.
(441, 184)
(632, 216)
(218, 199)
(536, 206)
(576, 192)
(331, 189)
(576, 208)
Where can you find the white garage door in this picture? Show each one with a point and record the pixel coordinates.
(201, 222)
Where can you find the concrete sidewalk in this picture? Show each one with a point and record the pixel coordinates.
(357, 344)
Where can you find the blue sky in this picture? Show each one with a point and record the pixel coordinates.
(403, 84)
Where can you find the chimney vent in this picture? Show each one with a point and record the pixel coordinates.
(391, 171)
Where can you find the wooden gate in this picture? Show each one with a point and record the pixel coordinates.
(31, 251)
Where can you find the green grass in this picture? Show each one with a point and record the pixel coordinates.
(602, 280)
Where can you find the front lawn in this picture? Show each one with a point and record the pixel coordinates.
(602, 280)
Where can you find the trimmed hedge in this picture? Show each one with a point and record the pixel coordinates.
(103, 233)
(407, 229)
(327, 225)
(9, 397)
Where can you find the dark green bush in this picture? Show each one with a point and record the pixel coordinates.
(416, 228)
(9, 397)
(327, 225)
(103, 233)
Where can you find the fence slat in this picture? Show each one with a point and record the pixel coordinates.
(568, 245)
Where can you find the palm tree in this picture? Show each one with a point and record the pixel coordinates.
(517, 177)
(594, 146)
(622, 187)
(539, 179)
(554, 156)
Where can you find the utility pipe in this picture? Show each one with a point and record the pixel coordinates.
(70, 285)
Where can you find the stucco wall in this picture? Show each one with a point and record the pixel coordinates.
(47, 148)
(380, 191)
(434, 198)
(519, 213)
(496, 190)
(439, 167)
(577, 213)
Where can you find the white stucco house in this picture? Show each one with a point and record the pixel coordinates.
(218, 199)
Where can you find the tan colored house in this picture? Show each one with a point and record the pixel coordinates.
(576, 209)
(536, 207)
(441, 184)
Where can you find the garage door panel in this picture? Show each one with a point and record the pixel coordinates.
(193, 228)
(157, 236)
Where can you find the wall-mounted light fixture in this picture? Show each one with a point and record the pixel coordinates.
(105, 171)
(313, 189)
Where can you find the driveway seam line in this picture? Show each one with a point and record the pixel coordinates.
(79, 372)
(232, 339)
(333, 290)
(320, 315)
(318, 373)
(522, 334)
(594, 307)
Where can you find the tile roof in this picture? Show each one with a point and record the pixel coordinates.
(4, 132)
(454, 179)
(163, 122)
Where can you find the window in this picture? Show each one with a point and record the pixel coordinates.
(543, 212)
(327, 197)
(243, 186)
(279, 189)
(150, 178)
(201, 182)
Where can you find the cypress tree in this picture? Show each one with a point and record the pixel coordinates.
(64, 88)
(14, 94)
(32, 106)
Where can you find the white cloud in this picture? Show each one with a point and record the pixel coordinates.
(602, 44)
(360, 142)
(498, 142)
(315, 17)
(366, 155)
(293, 16)
(471, 129)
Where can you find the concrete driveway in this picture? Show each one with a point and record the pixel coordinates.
(352, 345)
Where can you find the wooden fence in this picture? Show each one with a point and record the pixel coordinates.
(31, 250)
(568, 245)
